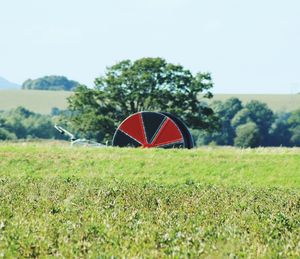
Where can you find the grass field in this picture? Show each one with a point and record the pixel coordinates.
(44, 101)
(37, 101)
(277, 102)
(210, 202)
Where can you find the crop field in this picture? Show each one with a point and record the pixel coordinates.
(44, 101)
(277, 102)
(210, 202)
(35, 100)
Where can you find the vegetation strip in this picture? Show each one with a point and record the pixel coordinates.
(58, 201)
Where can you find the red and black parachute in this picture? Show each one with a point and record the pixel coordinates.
(153, 129)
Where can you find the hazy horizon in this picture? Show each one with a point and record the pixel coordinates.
(249, 46)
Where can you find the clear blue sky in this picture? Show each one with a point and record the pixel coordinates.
(249, 46)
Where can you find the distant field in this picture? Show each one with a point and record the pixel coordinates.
(58, 201)
(37, 101)
(277, 102)
(44, 101)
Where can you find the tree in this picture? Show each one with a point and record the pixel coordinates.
(247, 135)
(6, 135)
(280, 133)
(50, 83)
(227, 112)
(295, 138)
(260, 114)
(14, 121)
(263, 117)
(92, 115)
(146, 84)
(22, 123)
(294, 119)
(294, 123)
(225, 134)
(240, 118)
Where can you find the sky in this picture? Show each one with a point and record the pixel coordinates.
(249, 46)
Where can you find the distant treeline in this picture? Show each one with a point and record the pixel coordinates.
(21, 123)
(250, 125)
(53, 83)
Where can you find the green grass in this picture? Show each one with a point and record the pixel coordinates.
(210, 202)
(44, 101)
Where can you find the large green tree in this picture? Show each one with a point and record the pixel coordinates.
(150, 84)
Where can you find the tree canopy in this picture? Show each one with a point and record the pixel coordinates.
(247, 135)
(149, 84)
(250, 125)
(294, 124)
(50, 83)
(224, 111)
(21, 123)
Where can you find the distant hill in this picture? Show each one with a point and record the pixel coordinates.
(5, 84)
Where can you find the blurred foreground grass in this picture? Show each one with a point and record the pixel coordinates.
(210, 202)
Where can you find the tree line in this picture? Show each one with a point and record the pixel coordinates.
(20, 123)
(53, 83)
(153, 84)
(249, 125)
